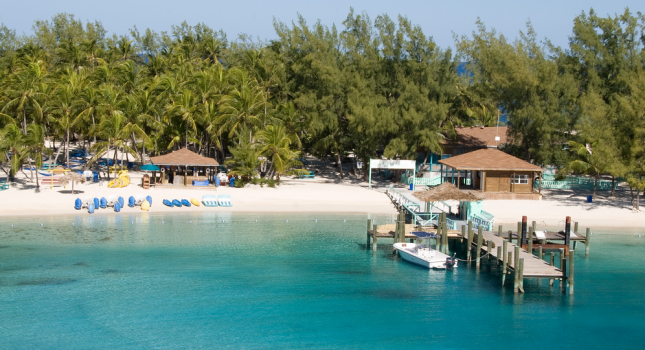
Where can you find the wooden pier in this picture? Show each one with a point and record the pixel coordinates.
(514, 252)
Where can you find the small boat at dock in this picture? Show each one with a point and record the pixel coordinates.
(423, 255)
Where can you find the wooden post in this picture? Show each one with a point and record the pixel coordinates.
(540, 252)
(374, 238)
(587, 240)
(439, 237)
(445, 235)
(572, 255)
(534, 225)
(369, 225)
(463, 233)
(480, 238)
(523, 240)
(575, 227)
(521, 275)
(499, 231)
(470, 240)
(516, 271)
(563, 267)
(552, 263)
(504, 260)
(489, 248)
(530, 240)
(499, 254)
(519, 233)
(567, 231)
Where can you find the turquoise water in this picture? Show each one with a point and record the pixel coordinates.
(193, 281)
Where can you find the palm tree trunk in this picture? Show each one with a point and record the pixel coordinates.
(613, 186)
(24, 121)
(116, 152)
(186, 135)
(340, 165)
(93, 123)
(67, 148)
(37, 183)
(595, 185)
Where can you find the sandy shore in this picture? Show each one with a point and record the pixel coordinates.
(323, 195)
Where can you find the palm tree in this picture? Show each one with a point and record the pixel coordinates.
(275, 144)
(23, 92)
(186, 108)
(587, 161)
(116, 130)
(34, 143)
(89, 101)
(242, 108)
(62, 115)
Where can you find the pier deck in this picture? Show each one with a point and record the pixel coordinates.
(533, 266)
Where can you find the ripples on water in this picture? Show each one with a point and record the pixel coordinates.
(131, 281)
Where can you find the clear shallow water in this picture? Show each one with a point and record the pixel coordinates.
(135, 282)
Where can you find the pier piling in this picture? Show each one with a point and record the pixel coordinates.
(519, 233)
(499, 254)
(470, 240)
(480, 238)
(522, 241)
(521, 276)
(563, 283)
(374, 238)
(572, 255)
(552, 263)
(489, 249)
(567, 232)
(369, 225)
(587, 240)
(540, 252)
(499, 231)
(530, 241)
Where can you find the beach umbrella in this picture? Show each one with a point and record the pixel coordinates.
(72, 178)
(150, 167)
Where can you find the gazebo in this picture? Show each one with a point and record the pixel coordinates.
(184, 166)
(448, 192)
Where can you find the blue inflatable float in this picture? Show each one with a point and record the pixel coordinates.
(117, 207)
(78, 204)
(90, 208)
(149, 199)
(131, 202)
(121, 201)
(167, 202)
(96, 203)
(103, 203)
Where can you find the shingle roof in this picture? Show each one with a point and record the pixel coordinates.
(478, 137)
(183, 157)
(488, 159)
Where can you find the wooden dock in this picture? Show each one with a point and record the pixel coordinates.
(514, 259)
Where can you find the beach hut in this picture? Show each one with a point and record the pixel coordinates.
(448, 192)
(184, 167)
(497, 175)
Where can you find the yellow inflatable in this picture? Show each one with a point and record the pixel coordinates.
(145, 206)
(122, 181)
(195, 202)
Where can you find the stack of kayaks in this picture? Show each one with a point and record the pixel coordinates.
(93, 204)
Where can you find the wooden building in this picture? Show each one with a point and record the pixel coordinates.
(470, 139)
(496, 174)
(182, 167)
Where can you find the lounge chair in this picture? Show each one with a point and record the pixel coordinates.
(311, 175)
(209, 200)
(224, 200)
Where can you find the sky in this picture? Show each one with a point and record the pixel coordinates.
(439, 19)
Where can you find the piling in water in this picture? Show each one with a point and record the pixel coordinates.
(499, 254)
(540, 252)
(470, 240)
(519, 233)
(516, 271)
(374, 238)
(523, 239)
(587, 240)
(530, 241)
(521, 276)
(369, 225)
(567, 231)
(499, 231)
(552, 263)
(480, 238)
(563, 283)
(572, 255)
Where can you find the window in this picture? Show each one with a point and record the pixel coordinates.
(520, 179)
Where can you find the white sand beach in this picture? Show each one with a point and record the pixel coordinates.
(319, 195)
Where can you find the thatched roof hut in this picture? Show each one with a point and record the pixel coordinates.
(446, 192)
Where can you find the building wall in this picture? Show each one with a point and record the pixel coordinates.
(500, 181)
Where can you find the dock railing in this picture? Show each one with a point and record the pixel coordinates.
(419, 217)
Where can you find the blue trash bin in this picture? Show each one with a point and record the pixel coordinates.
(411, 187)
(589, 199)
(232, 182)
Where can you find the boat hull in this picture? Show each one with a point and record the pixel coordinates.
(408, 252)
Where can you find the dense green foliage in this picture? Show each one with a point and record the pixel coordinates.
(372, 88)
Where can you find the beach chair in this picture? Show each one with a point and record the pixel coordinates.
(3, 184)
(311, 175)
(209, 200)
(224, 200)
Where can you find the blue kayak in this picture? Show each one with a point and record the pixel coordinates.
(176, 202)
(103, 203)
(121, 201)
(90, 208)
(78, 204)
(96, 203)
(185, 202)
(168, 203)
(117, 207)
(131, 202)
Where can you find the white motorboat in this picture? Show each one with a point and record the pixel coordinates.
(423, 255)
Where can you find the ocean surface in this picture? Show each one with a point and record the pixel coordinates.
(291, 281)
